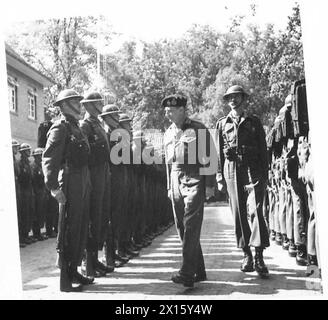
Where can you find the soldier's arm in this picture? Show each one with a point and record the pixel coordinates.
(53, 155)
(263, 154)
(85, 128)
(221, 159)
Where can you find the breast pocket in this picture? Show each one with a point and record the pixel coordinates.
(230, 133)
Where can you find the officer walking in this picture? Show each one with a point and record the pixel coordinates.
(186, 185)
(100, 175)
(244, 166)
(66, 174)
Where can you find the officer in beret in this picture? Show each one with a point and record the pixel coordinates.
(39, 193)
(186, 184)
(67, 176)
(100, 176)
(244, 170)
(26, 192)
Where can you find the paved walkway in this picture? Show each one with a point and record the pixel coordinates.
(148, 276)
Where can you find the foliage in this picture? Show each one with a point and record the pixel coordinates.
(202, 64)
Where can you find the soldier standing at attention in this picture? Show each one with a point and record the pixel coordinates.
(39, 195)
(114, 195)
(66, 175)
(100, 175)
(244, 166)
(186, 185)
(15, 148)
(26, 192)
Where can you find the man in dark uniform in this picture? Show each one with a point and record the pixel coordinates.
(186, 184)
(100, 175)
(39, 195)
(244, 169)
(66, 174)
(26, 192)
(113, 200)
(15, 148)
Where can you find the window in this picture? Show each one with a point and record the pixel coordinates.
(31, 105)
(12, 94)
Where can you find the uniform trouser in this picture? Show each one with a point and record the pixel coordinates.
(272, 204)
(276, 213)
(51, 213)
(106, 224)
(77, 190)
(40, 207)
(299, 211)
(254, 234)
(282, 210)
(312, 239)
(26, 210)
(99, 176)
(289, 215)
(188, 195)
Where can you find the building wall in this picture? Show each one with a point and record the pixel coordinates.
(23, 128)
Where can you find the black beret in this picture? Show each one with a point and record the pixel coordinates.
(174, 101)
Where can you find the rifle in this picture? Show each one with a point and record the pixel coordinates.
(65, 281)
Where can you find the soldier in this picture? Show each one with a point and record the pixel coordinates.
(244, 165)
(15, 148)
(113, 200)
(186, 184)
(100, 175)
(40, 195)
(300, 214)
(66, 174)
(26, 193)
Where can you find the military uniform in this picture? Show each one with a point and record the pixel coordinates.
(243, 158)
(66, 153)
(187, 187)
(40, 196)
(100, 175)
(65, 169)
(26, 206)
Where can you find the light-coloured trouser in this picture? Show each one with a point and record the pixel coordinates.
(188, 195)
(312, 234)
(299, 211)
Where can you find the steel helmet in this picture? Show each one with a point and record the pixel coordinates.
(124, 117)
(109, 109)
(24, 146)
(234, 89)
(14, 143)
(65, 95)
(37, 151)
(92, 96)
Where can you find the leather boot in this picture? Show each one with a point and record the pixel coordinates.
(272, 235)
(301, 255)
(260, 266)
(285, 242)
(278, 239)
(247, 265)
(292, 251)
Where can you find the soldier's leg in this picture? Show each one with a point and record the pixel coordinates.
(192, 191)
(282, 215)
(299, 208)
(259, 237)
(290, 225)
